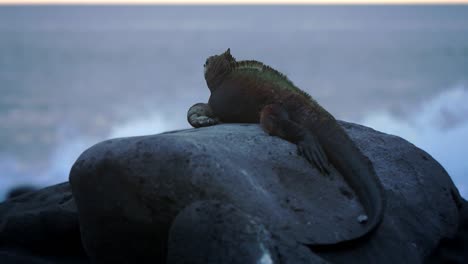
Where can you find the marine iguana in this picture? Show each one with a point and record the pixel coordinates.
(252, 92)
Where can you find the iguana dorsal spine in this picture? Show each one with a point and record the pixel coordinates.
(267, 72)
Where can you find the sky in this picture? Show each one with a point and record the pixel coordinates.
(233, 2)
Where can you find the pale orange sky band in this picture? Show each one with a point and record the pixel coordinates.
(207, 2)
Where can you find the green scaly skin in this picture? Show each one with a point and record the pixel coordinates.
(251, 92)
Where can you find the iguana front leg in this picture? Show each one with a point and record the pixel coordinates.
(275, 120)
(201, 115)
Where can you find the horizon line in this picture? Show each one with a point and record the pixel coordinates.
(233, 2)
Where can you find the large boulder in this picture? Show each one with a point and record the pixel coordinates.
(233, 192)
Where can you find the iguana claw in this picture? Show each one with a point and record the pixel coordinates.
(202, 121)
(200, 115)
(310, 148)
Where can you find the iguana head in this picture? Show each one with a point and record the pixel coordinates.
(216, 67)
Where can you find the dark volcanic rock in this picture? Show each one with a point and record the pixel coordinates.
(453, 249)
(42, 223)
(20, 190)
(247, 240)
(129, 191)
(225, 234)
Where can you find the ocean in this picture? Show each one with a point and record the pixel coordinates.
(71, 76)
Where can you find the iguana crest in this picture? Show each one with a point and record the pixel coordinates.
(267, 74)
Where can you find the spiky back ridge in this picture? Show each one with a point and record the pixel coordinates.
(267, 74)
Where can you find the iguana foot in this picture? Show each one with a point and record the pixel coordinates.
(310, 148)
(201, 115)
(275, 120)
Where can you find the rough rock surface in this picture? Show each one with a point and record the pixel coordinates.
(41, 227)
(214, 221)
(138, 198)
(20, 190)
(453, 249)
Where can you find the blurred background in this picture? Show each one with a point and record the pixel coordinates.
(71, 76)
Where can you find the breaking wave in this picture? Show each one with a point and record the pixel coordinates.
(440, 127)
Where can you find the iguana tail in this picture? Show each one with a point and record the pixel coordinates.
(358, 172)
